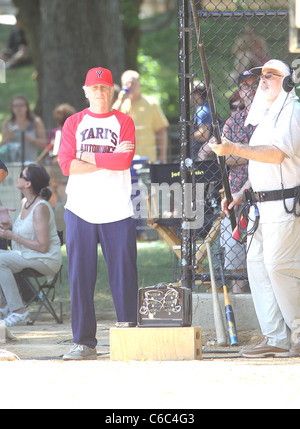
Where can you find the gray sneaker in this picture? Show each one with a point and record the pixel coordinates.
(262, 350)
(81, 352)
(295, 350)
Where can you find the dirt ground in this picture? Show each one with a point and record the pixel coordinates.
(39, 378)
(47, 340)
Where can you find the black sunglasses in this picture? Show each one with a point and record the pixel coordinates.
(269, 75)
(24, 177)
(234, 107)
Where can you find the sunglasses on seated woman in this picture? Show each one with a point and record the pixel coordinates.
(24, 177)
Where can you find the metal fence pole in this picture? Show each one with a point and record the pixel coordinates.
(184, 133)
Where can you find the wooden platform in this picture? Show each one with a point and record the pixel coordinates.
(170, 343)
(5, 333)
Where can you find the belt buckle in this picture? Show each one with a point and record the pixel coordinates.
(262, 196)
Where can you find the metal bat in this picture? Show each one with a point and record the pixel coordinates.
(214, 116)
(231, 327)
(218, 316)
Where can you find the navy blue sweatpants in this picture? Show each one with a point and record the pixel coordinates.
(118, 243)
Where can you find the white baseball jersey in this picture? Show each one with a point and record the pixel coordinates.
(104, 195)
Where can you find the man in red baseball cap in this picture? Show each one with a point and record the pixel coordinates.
(99, 75)
(96, 152)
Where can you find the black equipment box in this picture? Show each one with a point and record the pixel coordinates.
(204, 171)
(164, 305)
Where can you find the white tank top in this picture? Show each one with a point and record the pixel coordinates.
(24, 227)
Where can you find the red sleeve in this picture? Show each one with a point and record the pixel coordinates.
(119, 161)
(109, 161)
(67, 150)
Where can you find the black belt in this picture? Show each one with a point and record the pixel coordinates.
(279, 194)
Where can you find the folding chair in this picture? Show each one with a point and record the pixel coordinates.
(35, 287)
(165, 224)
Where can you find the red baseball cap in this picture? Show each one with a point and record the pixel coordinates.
(99, 75)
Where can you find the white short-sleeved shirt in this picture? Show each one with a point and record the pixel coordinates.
(104, 195)
(282, 131)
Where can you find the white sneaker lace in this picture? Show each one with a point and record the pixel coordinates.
(78, 347)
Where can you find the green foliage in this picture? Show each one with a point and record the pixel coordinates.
(5, 32)
(158, 64)
(153, 84)
(18, 81)
(149, 69)
(158, 56)
(130, 12)
(159, 43)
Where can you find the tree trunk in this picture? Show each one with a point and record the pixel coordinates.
(66, 39)
(132, 31)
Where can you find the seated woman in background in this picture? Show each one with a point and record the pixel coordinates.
(35, 242)
(22, 119)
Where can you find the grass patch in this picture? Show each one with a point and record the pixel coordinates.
(155, 265)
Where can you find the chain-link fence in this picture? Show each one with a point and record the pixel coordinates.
(236, 35)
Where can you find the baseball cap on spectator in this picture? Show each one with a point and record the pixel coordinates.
(244, 76)
(99, 75)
